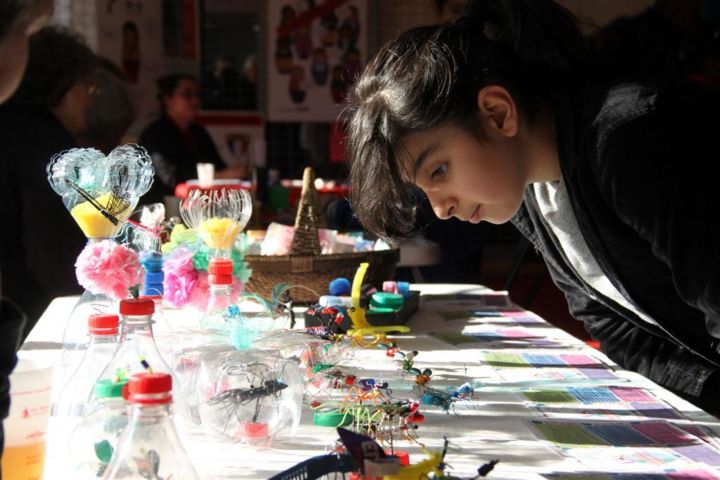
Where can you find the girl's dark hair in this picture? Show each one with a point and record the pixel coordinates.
(58, 59)
(168, 84)
(430, 76)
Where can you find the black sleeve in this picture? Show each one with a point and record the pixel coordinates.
(11, 324)
(208, 151)
(163, 158)
(659, 173)
(636, 348)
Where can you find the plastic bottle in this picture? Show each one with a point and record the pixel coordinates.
(75, 340)
(150, 447)
(94, 440)
(73, 398)
(137, 351)
(220, 279)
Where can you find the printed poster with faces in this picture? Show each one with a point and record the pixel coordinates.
(316, 50)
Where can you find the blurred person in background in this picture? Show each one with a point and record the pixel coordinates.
(111, 112)
(176, 142)
(38, 239)
(19, 19)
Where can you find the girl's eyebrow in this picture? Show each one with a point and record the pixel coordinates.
(420, 160)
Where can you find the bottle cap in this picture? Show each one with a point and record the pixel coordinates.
(390, 286)
(403, 288)
(339, 286)
(154, 277)
(106, 388)
(103, 324)
(152, 290)
(220, 279)
(137, 306)
(220, 266)
(386, 300)
(150, 388)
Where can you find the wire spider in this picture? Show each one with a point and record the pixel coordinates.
(261, 387)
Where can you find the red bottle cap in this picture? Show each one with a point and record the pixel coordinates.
(220, 266)
(220, 279)
(150, 388)
(137, 306)
(103, 324)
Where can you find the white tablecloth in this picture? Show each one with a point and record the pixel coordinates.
(498, 423)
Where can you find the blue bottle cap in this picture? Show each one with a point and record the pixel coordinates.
(154, 277)
(403, 289)
(152, 289)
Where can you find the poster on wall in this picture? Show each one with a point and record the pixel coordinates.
(316, 49)
(130, 36)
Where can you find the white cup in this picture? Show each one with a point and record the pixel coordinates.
(26, 426)
(205, 174)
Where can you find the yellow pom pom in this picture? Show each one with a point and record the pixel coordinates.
(219, 232)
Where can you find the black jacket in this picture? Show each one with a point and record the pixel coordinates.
(640, 163)
(175, 155)
(39, 240)
(11, 325)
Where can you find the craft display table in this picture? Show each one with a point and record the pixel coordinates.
(545, 404)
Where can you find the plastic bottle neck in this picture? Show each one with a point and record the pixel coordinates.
(103, 339)
(161, 410)
(220, 290)
(136, 325)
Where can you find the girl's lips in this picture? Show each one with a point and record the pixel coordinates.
(476, 216)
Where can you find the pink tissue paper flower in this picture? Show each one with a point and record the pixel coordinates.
(108, 268)
(180, 277)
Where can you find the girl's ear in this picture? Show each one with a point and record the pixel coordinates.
(498, 111)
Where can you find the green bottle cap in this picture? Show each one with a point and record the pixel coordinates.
(386, 300)
(106, 388)
(332, 418)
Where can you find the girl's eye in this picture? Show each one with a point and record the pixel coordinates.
(439, 171)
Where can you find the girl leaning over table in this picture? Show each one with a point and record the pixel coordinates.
(501, 117)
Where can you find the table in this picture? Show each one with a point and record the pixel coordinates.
(547, 404)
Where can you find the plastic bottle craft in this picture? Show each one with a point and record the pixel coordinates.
(137, 351)
(74, 396)
(94, 440)
(150, 447)
(100, 192)
(219, 216)
(249, 395)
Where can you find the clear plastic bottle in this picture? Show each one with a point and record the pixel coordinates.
(94, 440)
(72, 400)
(220, 279)
(75, 340)
(150, 446)
(137, 351)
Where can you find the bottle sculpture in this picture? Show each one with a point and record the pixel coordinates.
(150, 446)
(219, 216)
(100, 192)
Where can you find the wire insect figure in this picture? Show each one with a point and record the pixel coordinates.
(261, 387)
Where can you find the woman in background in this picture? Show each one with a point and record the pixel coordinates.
(38, 239)
(176, 143)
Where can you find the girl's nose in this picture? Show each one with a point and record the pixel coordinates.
(444, 208)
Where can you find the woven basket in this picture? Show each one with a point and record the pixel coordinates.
(306, 266)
